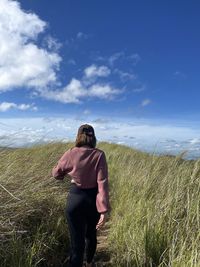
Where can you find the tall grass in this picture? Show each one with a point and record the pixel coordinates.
(33, 231)
(155, 208)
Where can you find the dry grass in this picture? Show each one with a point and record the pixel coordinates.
(155, 215)
(155, 208)
(32, 227)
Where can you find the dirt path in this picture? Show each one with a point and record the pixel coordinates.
(102, 257)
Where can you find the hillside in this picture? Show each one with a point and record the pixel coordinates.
(155, 208)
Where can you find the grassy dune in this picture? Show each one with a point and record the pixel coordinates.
(33, 229)
(155, 208)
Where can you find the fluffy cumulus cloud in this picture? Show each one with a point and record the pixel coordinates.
(22, 62)
(69, 94)
(89, 86)
(5, 106)
(77, 90)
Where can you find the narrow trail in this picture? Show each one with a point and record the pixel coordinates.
(102, 257)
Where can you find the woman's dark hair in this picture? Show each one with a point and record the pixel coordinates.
(86, 136)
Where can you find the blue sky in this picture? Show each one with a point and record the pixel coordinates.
(110, 63)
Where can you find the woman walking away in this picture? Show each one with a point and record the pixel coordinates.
(88, 200)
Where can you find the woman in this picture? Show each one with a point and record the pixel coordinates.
(88, 200)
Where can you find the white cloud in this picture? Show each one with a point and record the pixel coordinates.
(26, 106)
(135, 58)
(69, 94)
(151, 136)
(76, 90)
(26, 64)
(139, 89)
(5, 106)
(124, 76)
(95, 71)
(81, 35)
(145, 102)
(22, 62)
(103, 91)
(52, 43)
(194, 141)
(115, 57)
(89, 86)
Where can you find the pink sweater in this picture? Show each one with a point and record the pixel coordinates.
(87, 168)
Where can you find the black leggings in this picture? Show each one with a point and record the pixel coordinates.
(82, 217)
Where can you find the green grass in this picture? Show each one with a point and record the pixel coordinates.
(33, 228)
(155, 217)
(155, 209)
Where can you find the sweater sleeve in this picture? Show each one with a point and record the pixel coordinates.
(63, 166)
(102, 200)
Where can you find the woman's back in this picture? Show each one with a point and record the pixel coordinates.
(83, 165)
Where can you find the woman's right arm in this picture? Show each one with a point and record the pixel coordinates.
(62, 167)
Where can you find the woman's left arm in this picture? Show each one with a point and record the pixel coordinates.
(102, 200)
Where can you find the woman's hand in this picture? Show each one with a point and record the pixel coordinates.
(102, 220)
